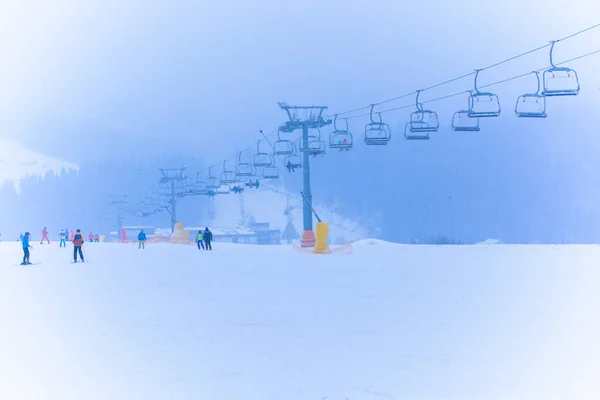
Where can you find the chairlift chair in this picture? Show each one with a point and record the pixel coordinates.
(531, 105)
(262, 159)
(212, 182)
(422, 120)
(227, 176)
(340, 138)
(243, 169)
(314, 145)
(250, 182)
(283, 147)
(409, 134)
(483, 104)
(461, 122)
(377, 133)
(223, 189)
(270, 173)
(294, 161)
(559, 81)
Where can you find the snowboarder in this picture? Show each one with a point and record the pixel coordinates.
(141, 240)
(26, 246)
(199, 240)
(207, 236)
(77, 244)
(63, 238)
(45, 236)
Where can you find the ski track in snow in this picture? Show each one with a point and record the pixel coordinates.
(263, 322)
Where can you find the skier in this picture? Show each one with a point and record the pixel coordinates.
(199, 240)
(72, 235)
(141, 240)
(91, 237)
(97, 238)
(290, 166)
(207, 236)
(77, 243)
(45, 236)
(63, 238)
(26, 246)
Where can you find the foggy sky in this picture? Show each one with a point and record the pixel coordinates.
(210, 73)
(100, 80)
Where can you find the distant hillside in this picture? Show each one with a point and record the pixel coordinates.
(17, 162)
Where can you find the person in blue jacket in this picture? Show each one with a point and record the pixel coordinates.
(141, 240)
(26, 246)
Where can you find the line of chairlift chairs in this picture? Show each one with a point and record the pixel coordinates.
(556, 81)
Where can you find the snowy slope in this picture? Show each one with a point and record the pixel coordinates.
(17, 162)
(263, 322)
(268, 203)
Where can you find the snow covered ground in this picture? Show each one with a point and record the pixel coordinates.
(262, 322)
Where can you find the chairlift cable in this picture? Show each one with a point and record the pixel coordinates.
(469, 74)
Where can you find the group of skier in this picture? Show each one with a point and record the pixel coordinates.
(204, 239)
(77, 240)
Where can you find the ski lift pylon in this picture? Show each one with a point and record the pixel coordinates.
(377, 133)
(531, 105)
(483, 104)
(560, 81)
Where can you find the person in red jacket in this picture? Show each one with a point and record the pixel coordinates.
(72, 235)
(45, 236)
(77, 243)
(91, 237)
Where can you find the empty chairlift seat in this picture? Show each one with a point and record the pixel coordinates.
(243, 169)
(422, 122)
(409, 134)
(212, 183)
(262, 159)
(314, 146)
(377, 133)
(560, 81)
(283, 147)
(531, 105)
(461, 122)
(483, 104)
(227, 177)
(270, 173)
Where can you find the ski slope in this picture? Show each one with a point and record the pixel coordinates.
(263, 322)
